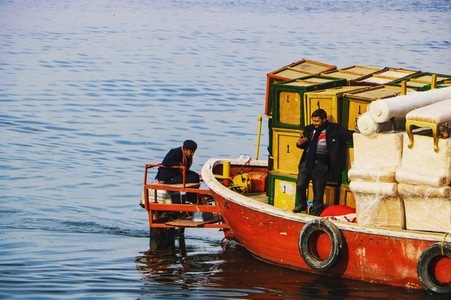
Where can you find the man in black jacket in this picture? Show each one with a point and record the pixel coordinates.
(324, 145)
(180, 156)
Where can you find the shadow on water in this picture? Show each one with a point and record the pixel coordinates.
(171, 269)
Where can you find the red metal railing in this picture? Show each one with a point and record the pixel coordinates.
(155, 209)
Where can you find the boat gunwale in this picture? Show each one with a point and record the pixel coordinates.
(245, 201)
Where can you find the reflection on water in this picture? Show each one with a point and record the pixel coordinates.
(232, 272)
(90, 91)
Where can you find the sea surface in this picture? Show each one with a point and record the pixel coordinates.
(90, 91)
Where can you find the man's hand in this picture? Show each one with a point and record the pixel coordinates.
(302, 139)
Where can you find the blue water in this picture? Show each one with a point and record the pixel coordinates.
(90, 91)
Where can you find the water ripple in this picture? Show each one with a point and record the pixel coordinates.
(91, 92)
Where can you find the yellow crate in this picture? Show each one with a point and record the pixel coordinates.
(286, 155)
(385, 76)
(283, 191)
(294, 70)
(346, 197)
(352, 73)
(349, 162)
(361, 70)
(330, 194)
(356, 102)
(331, 100)
(290, 108)
(342, 74)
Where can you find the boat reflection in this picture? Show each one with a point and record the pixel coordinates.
(170, 268)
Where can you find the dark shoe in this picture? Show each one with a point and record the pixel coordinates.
(317, 211)
(299, 209)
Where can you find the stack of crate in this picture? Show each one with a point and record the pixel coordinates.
(423, 81)
(352, 73)
(285, 108)
(297, 69)
(385, 76)
(294, 91)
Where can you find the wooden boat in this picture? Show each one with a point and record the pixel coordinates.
(405, 258)
(245, 191)
(252, 199)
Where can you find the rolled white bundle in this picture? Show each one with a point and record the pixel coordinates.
(424, 191)
(375, 188)
(397, 107)
(372, 174)
(429, 177)
(367, 125)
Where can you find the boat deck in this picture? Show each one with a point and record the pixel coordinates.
(260, 197)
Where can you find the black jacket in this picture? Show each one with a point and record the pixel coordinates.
(336, 137)
(173, 158)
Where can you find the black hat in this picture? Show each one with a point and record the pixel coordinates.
(190, 145)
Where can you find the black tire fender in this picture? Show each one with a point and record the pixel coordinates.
(335, 236)
(425, 264)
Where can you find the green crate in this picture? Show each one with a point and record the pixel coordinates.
(352, 73)
(297, 69)
(422, 81)
(385, 76)
(288, 109)
(282, 191)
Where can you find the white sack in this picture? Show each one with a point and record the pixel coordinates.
(426, 208)
(424, 192)
(374, 188)
(379, 151)
(373, 175)
(422, 165)
(433, 178)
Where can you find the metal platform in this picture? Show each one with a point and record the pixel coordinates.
(158, 210)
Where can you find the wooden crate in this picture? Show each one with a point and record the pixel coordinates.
(286, 155)
(288, 110)
(384, 76)
(330, 194)
(346, 197)
(297, 69)
(356, 102)
(282, 190)
(352, 73)
(422, 81)
(331, 100)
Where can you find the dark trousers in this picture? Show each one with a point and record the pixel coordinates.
(318, 176)
(191, 177)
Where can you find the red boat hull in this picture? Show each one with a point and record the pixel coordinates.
(368, 254)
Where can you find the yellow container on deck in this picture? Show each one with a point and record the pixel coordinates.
(300, 68)
(331, 100)
(286, 154)
(356, 103)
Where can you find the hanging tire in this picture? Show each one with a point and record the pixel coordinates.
(425, 267)
(336, 237)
